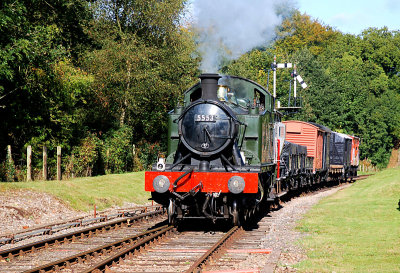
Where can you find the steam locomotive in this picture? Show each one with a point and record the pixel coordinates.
(229, 153)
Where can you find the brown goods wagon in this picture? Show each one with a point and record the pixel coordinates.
(309, 135)
(355, 157)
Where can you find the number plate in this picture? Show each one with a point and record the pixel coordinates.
(205, 118)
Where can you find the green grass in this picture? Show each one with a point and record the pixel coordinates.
(83, 193)
(356, 229)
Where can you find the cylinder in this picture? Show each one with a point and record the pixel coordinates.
(204, 166)
(209, 86)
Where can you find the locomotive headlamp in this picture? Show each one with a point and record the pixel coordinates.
(161, 164)
(236, 184)
(161, 184)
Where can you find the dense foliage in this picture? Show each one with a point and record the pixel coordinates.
(98, 77)
(92, 76)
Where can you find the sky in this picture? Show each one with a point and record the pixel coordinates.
(353, 16)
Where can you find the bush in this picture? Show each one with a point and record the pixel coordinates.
(83, 158)
(146, 154)
(2, 172)
(8, 170)
(93, 156)
(117, 151)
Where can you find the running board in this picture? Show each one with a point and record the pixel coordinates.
(270, 199)
(281, 194)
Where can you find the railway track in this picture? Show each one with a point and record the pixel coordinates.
(184, 251)
(216, 250)
(161, 249)
(102, 257)
(188, 251)
(362, 177)
(49, 229)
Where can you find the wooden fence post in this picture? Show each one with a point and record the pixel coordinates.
(29, 163)
(107, 159)
(58, 162)
(9, 155)
(72, 165)
(44, 163)
(133, 156)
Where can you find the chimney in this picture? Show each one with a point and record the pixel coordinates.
(209, 86)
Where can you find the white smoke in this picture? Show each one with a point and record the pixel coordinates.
(230, 28)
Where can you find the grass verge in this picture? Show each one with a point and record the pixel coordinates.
(83, 193)
(356, 229)
(364, 173)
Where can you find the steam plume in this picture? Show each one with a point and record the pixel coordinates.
(230, 28)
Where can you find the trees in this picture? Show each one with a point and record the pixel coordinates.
(142, 63)
(358, 96)
(41, 89)
(69, 69)
(300, 30)
(75, 70)
(353, 80)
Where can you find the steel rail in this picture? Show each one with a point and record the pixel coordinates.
(64, 238)
(137, 240)
(139, 245)
(214, 250)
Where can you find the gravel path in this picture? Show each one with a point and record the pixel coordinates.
(22, 209)
(282, 236)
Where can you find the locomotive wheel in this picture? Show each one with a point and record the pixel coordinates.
(171, 213)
